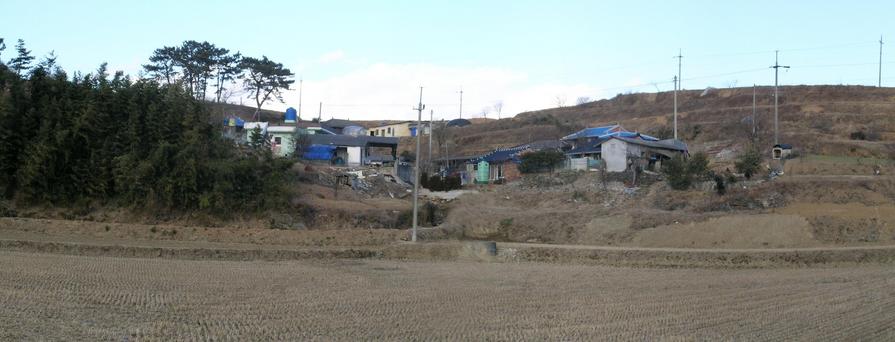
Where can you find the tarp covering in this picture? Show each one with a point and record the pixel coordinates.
(319, 152)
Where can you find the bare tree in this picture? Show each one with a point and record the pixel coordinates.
(635, 165)
(560, 100)
(485, 111)
(498, 107)
(582, 100)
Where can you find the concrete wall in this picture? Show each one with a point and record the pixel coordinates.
(355, 156)
(286, 146)
(507, 170)
(614, 153)
(397, 130)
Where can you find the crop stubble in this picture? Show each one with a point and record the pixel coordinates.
(46, 296)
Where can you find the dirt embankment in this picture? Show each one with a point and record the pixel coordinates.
(784, 213)
(88, 231)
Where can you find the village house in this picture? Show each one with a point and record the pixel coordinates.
(502, 165)
(399, 129)
(352, 150)
(618, 149)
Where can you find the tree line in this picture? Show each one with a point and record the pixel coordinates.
(104, 139)
(196, 66)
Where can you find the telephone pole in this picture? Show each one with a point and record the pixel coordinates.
(461, 102)
(429, 156)
(300, 82)
(776, 68)
(880, 81)
(680, 58)
(416, 166)
(320, 112)
(675, 107)
(753, 111)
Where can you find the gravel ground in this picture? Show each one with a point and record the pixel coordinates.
(62, 297)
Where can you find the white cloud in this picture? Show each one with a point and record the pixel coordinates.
(332, 56)
(390, 91)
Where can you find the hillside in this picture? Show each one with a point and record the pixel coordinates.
(815, 119)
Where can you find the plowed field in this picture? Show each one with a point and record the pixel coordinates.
(62, 297)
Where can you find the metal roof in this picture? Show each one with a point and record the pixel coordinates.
(668, 144)
(358, 141)
(607, 131)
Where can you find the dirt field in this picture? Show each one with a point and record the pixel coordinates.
(56, 297)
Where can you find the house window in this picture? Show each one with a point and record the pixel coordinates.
(372, 133)
(277, 140)
(389, 130)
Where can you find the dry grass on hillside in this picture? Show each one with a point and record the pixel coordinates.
(816, 119)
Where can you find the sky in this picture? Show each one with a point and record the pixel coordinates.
(365, 60)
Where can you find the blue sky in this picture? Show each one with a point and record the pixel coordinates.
(366, 59)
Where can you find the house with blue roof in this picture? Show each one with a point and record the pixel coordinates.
(502, 165)
(619, 149)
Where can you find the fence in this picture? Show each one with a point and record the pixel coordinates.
(582, 164)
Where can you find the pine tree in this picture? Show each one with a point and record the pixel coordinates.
(22, 62)
(265, 79)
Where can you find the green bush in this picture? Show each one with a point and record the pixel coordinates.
(96, 138)
(682, 172)
(438, 183)
(720, 186)
(749, 163)
(541, 161)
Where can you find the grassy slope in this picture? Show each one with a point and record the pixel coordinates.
(816, 119)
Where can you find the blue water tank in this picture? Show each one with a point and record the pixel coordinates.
(291, 115)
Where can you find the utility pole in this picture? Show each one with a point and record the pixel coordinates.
(880, 81)
(461, 102)
(416, 166)
(320, 112)
(776, 68)
(680, 58)
(300, 82)
(429, 156)
(753, 111)
(675, 107)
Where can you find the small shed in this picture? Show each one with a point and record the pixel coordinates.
(781, 151)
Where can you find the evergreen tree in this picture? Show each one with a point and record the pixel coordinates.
(162, 64)
(22, 62)
(2, 47)
(227, 69)
(265, 79)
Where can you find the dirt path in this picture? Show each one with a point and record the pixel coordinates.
(58, 297)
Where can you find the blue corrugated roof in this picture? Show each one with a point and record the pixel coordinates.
(608, 131)
(593, 132)
(501, 155)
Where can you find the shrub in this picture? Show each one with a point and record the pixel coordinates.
(681, 172)
(749, 162)
(506, 223)
(438, 183)
(720, 187)
(541, 161)
(869, 135)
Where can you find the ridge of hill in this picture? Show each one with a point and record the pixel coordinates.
(815, 119)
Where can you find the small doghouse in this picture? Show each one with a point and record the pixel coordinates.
(781, 151)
